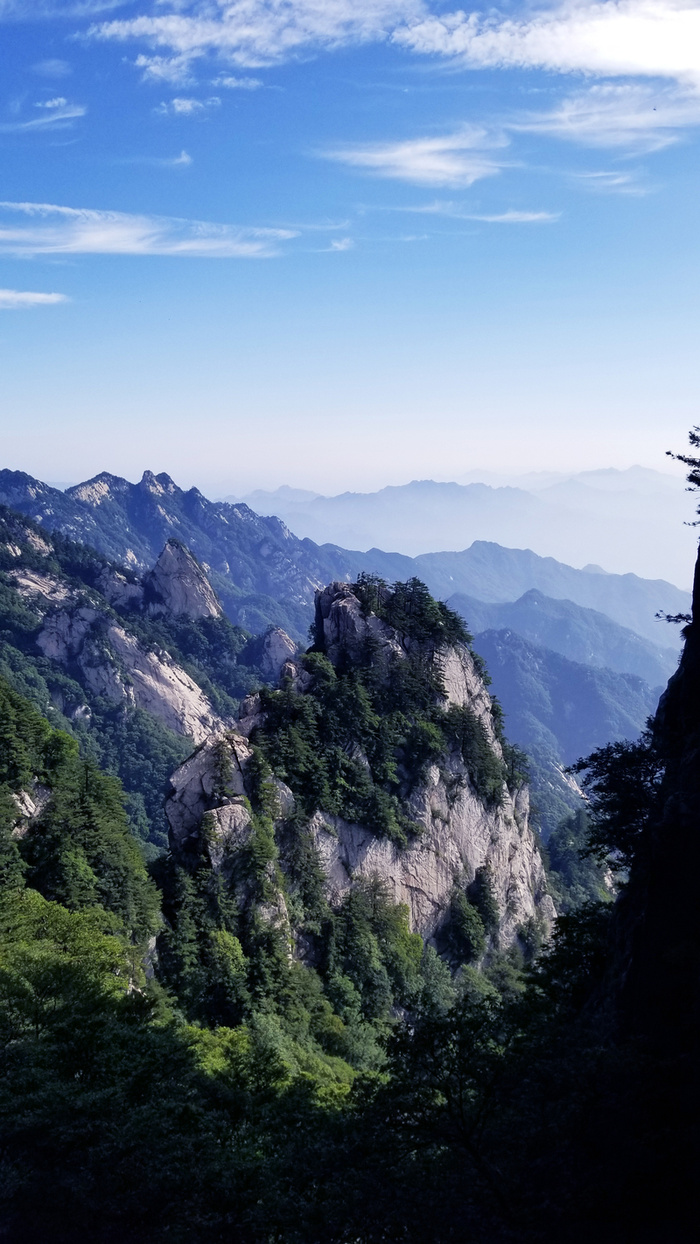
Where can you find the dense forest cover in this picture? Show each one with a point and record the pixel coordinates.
(222, 1089)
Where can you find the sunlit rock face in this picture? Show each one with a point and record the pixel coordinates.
(177, 585)
(114, 665)
(277, 647)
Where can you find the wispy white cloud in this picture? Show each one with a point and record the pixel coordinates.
(183, 160)
(634, 116)
(458, 211)
(45, 10)
(232, 83)
(48, 229)
(514, 217)
(176, 70)
(612, 181)
(16, 299)
(457, 159)
(56, 113)
(658, 38)
(183, 107)
(602, 37)
(53, 68)
(341, 244)
(260, 32)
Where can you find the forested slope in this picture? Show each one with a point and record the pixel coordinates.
(303, 1065)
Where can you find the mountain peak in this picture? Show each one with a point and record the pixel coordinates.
(157, 484)
(96, 490)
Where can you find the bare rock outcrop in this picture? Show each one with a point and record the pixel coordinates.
(209, 814)
(210, 782)
(277, 647)
(113, 664)
(342, 626)
(459, 831)
(459, 837)
(35, 583)
(177, 585)
(118, 590)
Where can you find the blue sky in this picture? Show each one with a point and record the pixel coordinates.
(342, 244)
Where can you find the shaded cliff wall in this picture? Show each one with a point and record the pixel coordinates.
(660, 918)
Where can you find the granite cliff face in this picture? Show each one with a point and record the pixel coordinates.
(78, 630)
(457, 831)
(114, 665)
(178, 586)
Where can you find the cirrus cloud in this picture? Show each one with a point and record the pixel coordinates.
(48, 229)
(636, 116)
(453, 160)
(54, 114)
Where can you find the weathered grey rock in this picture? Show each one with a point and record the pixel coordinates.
(227, 829)
(195, 786)
(251, 715)
(208, 813)
(113, 664)
(459, 831)
(159, 685)
(37, 543)
(293, 674)
(31, 583)
(30, 805)
(343, 627)
(277, 647)
(117, 589)
(464, 686)
(459, 836)
(178, 585)
(63, 634)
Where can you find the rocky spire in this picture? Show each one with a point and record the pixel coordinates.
(178, 585)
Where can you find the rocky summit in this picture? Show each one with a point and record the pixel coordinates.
(458, 829)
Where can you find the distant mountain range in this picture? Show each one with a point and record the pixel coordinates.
(495, 574)
(266, 575)
(558, 710)
(623, 520)
(582, 635)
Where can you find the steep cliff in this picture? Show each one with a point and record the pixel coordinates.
(386, 758)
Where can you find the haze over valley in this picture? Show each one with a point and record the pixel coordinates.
(629, 520)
